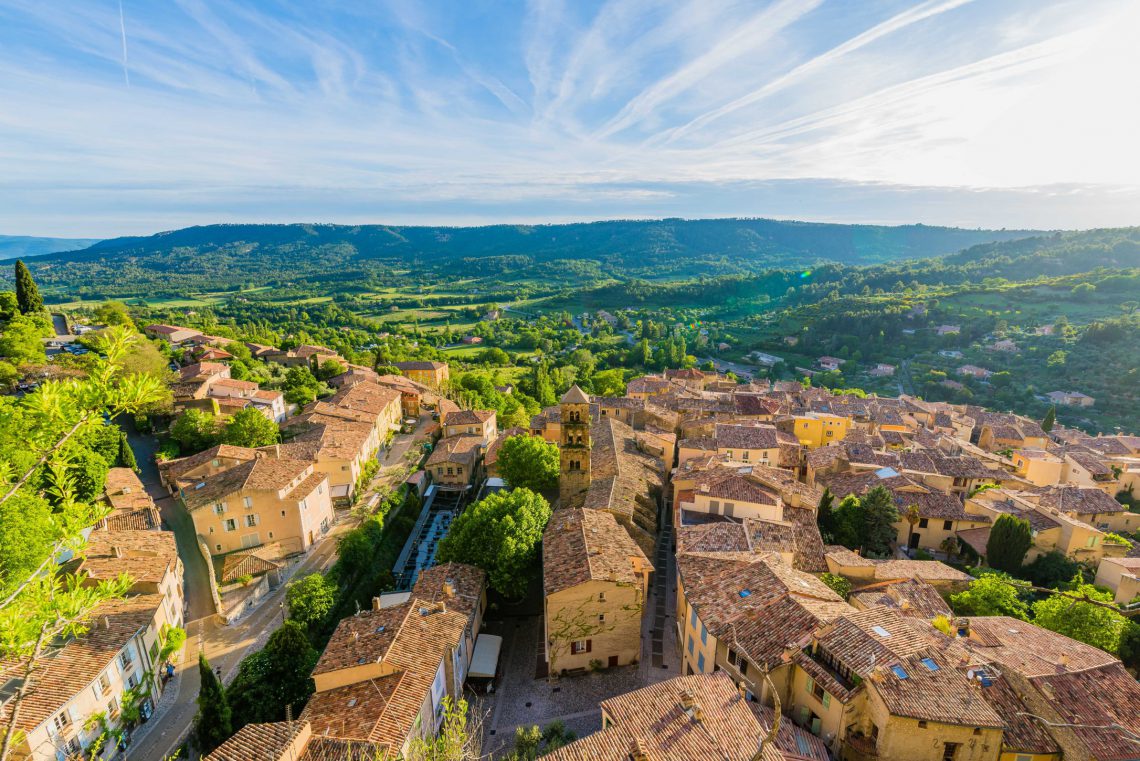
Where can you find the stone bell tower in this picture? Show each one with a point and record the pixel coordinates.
(574, 447)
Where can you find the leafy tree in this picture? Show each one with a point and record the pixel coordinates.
(879, 518)
(1010, 538)
(991, 594)
(9, 376)
(113, 313)
(213, 723)
(250, 428)
(848, 527)
(1092, 624)
(330, 368)
(1050, 419)
(529, 462)
(494, 356)
(301, 386)
(455, 741)
(274, 678)
(22, 341)
(311, 600)
(838, 584)
(1129, 649)
(824, 516)
(126, 457)
(608, 383)
(1051, 570)
(27, 292)
(499, 534)
(195, 430)
(9, 306)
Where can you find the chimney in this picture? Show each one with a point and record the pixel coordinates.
(106, 622)
(277, 451)
(355, 636)
(639, 751)
(962, 627)
(449, 587)
(376, 603)
(116, 552)
(1064, 661)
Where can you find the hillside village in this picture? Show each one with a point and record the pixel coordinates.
(693, 581)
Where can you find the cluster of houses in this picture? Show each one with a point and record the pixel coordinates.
(887, 672)
(106, 680)
(714, 486)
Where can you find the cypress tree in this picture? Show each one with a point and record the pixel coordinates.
(1010, 538)
(213, 724)
(823, 514)
(126, 454)
(879, 518)
(27, 292)
(1050, 419)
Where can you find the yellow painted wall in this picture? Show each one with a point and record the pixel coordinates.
(299, 526)
(573, 614)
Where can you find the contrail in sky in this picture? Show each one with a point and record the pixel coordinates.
(123, 29)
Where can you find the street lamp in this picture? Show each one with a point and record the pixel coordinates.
(281, 605)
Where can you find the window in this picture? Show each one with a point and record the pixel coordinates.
(977, 730)
(930, 664)
(601, 596)
(126, 659)
(743, 667)
(251, 520)
(923, 523)
(899, 671)
(102, 686)
(113, 708)
(601, 618)
(218, 547)
(949, 751)
(732, 656)
(282, 513)
(922, 725)
(215, 463)
(219, 508)
(714, 505)
(745, 455)
(693, 618)
(729, 453)
(701, 663)
(580, 646)
(132, 680)
(830, 433)
(458, 470)
(450, 471)
(61, 721)
(947, 525)
(230, 524)
(248, 502)
(704, 635)
(691, 641)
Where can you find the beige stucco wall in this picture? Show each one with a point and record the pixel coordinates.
(1122, 581)
(573, 614)
(902, 738)
(298, 525)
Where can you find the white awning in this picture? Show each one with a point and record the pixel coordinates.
(485, 661)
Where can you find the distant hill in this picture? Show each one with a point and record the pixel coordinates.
(216, 257)
(20, 246)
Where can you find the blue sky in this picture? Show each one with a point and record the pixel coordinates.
(145, 116)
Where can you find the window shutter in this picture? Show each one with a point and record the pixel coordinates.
(589, 645)
(827, 700)
(810, 684)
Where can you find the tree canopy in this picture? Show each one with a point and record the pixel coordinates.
(500, 534)
(250, 428)
(991, 594)
(27, 292)
(529, 462)
(1010, 538)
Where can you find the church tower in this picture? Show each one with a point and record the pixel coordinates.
(574, 446)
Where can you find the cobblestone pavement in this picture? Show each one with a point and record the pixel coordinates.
(522, 700)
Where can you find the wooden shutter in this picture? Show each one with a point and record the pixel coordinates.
(589, 645)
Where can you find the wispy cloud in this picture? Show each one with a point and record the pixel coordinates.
(265, 109)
